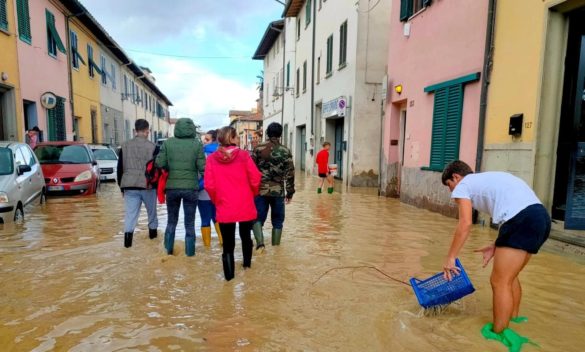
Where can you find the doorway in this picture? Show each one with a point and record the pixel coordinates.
(569, 190)
(340, 146)
(302, 147)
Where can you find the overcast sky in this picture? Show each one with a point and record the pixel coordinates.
(176, 38)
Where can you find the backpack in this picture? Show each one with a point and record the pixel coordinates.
(152, 174)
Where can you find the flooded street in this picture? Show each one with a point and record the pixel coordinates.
(68, 284)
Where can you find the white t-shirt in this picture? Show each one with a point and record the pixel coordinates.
(500, 194)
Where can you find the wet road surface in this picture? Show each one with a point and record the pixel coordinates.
(69, 285)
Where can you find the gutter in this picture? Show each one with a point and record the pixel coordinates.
(314, 3)
(486, 73)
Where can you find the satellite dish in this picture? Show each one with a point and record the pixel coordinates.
(48, 100)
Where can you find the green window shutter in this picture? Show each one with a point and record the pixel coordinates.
(405, 9)
(3, 15)
(304, 76)
(288, 74)
(23, 20)
(342, 43)
(446, 136)
(308, 13)
(329, 54)
(56, 121)
(53, 34)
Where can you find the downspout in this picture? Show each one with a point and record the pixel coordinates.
(487, 68)
(314, 3)
(284, 89)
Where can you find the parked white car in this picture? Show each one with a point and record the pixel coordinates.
(21, 180)
(107, 161)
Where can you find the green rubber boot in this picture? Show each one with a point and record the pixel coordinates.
(319, 190)
(257, 230)
(276, 234)
(507, 337)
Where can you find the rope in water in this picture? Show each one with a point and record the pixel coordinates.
(362, 267)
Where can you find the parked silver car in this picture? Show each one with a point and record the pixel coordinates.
(21, 180)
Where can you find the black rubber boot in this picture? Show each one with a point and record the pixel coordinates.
(152, 233)
(128, 239)
(247, 253)
(228, 266)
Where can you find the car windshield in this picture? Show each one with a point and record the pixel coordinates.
(104, 154)
(62, 154)
(6, 163)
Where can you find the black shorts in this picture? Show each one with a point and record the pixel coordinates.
(324, 175)
(527, 230)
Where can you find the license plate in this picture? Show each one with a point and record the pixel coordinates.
(56, 188)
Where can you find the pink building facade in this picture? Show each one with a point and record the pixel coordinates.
(43, 65)
(435, 61)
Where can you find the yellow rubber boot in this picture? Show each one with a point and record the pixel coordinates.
(218, 234)
(206, 235)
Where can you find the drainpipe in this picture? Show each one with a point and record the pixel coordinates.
(487, 68)
(284, 89)
(314, 3)
(347, 146)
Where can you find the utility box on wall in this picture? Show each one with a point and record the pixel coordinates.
(515, 128)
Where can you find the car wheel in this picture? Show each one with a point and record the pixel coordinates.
(19, 215)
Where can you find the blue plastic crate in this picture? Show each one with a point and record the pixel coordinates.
(436, 291)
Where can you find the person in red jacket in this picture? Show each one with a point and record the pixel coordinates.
(232, 181)
(322, 161)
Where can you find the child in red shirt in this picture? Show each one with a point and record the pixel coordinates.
(322, 161)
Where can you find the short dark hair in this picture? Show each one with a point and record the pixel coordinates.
(455, 167)
(213, 134)
(326, 144)
(141, 125)
(224, 135)
(274, 130)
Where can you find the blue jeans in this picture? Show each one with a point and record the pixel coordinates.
(174, 198)
(133, 200)
(276, 205)
(207, 212)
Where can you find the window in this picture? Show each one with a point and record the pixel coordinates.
(54, 42)
(288, 74)
(329, 56)
(447, 113)
(318, 69)
(56, 121)
(298, 27)
(103, 66)
(23, 20)
(410, 7)
(113, 77)
(90, 59)
(307, 13)
(28, 156)
(297, 87)
(125, 86)
(304, 76)
(343, 44)
(75, 56)
(3, 15)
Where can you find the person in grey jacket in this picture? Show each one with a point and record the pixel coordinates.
(182, 156)
(132, 160)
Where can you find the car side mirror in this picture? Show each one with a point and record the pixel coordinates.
(94, 163)
(23, 168)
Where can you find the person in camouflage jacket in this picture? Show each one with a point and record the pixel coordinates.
(278, 184)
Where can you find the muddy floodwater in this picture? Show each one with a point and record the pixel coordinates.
(69, 285)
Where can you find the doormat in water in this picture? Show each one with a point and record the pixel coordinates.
(436, 291)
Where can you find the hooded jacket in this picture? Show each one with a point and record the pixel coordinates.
(232, 180)
(182, 156)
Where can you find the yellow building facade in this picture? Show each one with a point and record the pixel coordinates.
(535, 120)
(11, 118)
(85, 81)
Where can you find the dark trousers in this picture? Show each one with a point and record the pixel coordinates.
(174, 198)
(276, 205)
(228, 231)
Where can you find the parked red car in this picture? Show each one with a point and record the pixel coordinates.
(69, 167)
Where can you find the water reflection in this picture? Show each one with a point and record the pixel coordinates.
(68, 283)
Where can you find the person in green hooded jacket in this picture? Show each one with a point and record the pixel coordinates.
(182, 156)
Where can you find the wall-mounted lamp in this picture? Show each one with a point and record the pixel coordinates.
(398, 88)
(4, 76)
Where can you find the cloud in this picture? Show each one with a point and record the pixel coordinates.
(142, 21)
(201, 94)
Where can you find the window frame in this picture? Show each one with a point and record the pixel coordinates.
(343, 45)
(329, 64)
(3, 15)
